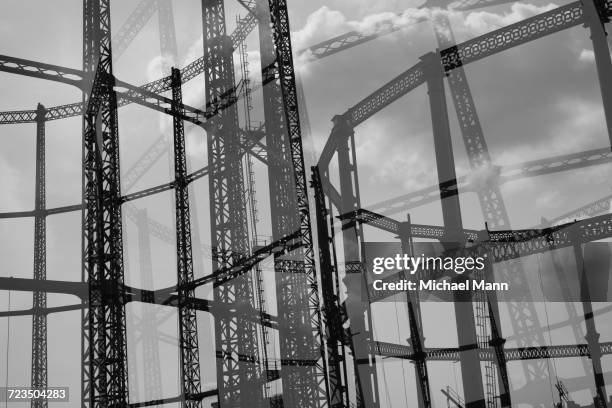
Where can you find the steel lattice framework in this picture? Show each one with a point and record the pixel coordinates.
(39, 303)
(188, 331)
(299, 317)
(235, 378)
(105, 378)
(452, 58)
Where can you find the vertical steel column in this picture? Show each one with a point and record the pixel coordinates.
(491, 201)
(333, 314)
(416, 326)
(451, 213)
(592, 336)
(105, 379)
(572, 312)
(594, 18)
(301, 338)
(357, 304)
(188, 327)
(148, 322)
(238, 379)
(132, 341)
(289, 269)
(169, 50)
(445, 160)
(167, 32)
(523, 314)
(497, 343)
(153, 387)
(39, 301)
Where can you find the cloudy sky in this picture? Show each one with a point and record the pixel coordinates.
(535, 101)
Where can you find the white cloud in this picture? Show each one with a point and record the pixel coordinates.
(159, 67)
(194, 51)
(369, 6)
(586, 56)
(253, 66)
(301, 61)
(254, 59)
(326, 23)
(375, 22)
(194, 92)
(482, 177)
(195, 143)
(322, 24)
(387, 164)
(408, 170)
(479, 22)
(582, 125)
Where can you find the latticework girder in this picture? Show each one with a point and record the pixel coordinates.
(403, 351)
(238, 379)
(334, 313)
(135, 22)
(39, 303)
(167, 33)
(510, 245)
(304, 377)
(152, 375)
(105, 350)
(188, 329)
(357, 308)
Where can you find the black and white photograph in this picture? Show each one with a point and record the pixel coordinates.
(306, 203)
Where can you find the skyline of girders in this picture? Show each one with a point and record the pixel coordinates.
(451, 60)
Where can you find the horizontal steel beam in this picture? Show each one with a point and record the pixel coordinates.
(81, 290)
(65, 75)
(160, 296)
(42, 70)
(17, 117)
(281, 246)
(18, 214)
(555, 164)
(44, 311)
(194, 397)
(388, 224)
(509, 245)
(78, 289)
(524, 31)
(401, 351)
(501, 175)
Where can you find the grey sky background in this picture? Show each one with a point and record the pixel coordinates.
(535, 101)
